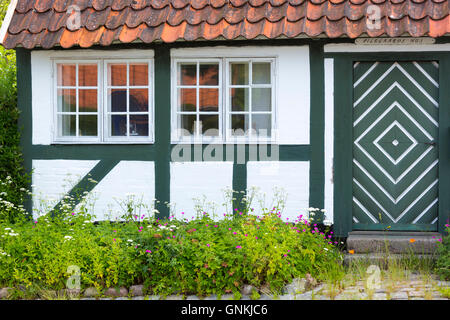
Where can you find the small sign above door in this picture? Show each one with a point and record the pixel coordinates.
(394, 41)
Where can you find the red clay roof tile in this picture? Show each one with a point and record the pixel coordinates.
(44, 23)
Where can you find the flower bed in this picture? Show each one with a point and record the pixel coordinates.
(197, 256)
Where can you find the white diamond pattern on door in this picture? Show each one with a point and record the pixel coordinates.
(395, 133)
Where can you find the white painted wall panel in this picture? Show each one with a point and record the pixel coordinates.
(293, 83)
(52, 179)
(329, 138)
(129, 179)
(291, 176)
(191, 180)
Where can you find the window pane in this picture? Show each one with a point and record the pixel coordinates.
(88, 125)
(88, 100)
(262, 123)
(239, 124)
(187, 123)
(209, 75)
(187, 75)
(261, 99)
(139, 74)
(261, 73)
(87, 75)
(117, 74)
(187, 99)
(209, 100)
(239, 99)
(239, 73)
(117, 100)
(67, 75)
(67, 125)
(138, 125)
(118, 125)
(138, 100)
(210, 125)
(67, 100)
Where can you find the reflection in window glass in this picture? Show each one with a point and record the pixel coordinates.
(129, 100)
(77, 100)
(198, 99)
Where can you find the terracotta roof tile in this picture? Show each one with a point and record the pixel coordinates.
(44, 23)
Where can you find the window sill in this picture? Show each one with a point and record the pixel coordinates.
(101, 142)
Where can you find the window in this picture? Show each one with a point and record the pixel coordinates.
(198, 103)
(234, 105)
(77, 100)
(250, 99)
(104, 101)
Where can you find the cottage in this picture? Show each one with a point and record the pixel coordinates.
(345, 104)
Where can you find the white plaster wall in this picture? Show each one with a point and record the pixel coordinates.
(291, 176)
(42, 80)
(52, 179)
(292, 87)
(329, 138)
(190, 180)
(128, 180)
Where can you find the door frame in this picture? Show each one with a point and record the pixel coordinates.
(343, 135)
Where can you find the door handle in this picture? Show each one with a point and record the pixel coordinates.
(432, 143)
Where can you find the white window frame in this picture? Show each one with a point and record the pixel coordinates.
(57, 124)
(197, 138)
(224, 102)
(102, 88)
(251, 137)
(151, 109)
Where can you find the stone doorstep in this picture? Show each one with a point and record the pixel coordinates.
(393, 242)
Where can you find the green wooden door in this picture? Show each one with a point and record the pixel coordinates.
(395, 154)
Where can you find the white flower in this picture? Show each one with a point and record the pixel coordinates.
(172, 226)
(129, 240)
(327, 223)
(8, 229)
(13, 234)
(326, 249)
(68, 237)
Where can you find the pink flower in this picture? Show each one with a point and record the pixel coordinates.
(207, 245)
(238, 247)
(229, 229)
(256, 238)
(235, 232)
(114, 240)
(148, 251)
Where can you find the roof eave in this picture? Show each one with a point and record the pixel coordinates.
(7, 21)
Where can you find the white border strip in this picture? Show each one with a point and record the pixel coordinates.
(351, 47)
(7, 20)
(329, 138)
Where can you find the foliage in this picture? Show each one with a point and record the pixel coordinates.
(198, 256)
(443, 262)
(13, 181)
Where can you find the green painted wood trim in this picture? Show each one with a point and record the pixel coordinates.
(239, 185)
(444, 143)
(162, 130)
(198, 152)
(94, 152)
(343, 151)
(317, 128)
(394, 227)
(25, 123)
(86, 184)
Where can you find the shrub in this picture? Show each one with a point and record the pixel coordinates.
(199, 256)
(13, 180)
(443, 262)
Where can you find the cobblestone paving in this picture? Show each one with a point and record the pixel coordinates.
(398, 290)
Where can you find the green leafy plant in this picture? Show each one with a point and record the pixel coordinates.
(443, 262)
